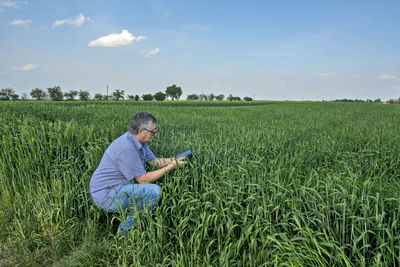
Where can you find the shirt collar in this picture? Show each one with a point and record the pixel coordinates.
(134, 141)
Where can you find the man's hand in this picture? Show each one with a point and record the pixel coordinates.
(175, 163)
(179, 162)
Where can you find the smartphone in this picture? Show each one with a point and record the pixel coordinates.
(186, 154)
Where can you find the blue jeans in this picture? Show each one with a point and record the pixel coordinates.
(141, 196)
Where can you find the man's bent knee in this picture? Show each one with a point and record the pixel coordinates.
(153, 191)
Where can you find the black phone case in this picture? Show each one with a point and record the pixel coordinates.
(187, 154)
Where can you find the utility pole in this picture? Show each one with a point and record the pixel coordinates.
(107, 91)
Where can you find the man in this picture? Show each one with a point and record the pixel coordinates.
(121, 179)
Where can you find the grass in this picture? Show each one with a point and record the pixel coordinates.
(272, 183)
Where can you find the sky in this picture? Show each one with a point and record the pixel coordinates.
(267, 50)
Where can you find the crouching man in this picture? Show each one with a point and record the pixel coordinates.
(121, 180)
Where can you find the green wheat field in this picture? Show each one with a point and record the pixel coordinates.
(271, 184)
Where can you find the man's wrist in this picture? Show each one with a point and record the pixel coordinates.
(169, 167)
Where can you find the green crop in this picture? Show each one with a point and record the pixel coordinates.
(272, 183)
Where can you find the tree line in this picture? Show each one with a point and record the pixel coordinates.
(55, 93)
(211, 97)
(378, 100)
(173, 92)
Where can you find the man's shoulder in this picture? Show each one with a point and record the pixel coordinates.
(123, 140)
(121, 144)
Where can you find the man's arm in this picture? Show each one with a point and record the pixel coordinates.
(153, 176)
(161, 162)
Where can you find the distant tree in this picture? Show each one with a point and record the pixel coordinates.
(14, 97)
(71, 94)
(211, 97)
(220, 97)
(378, 100)
(24, 96)
(106, 97)
(233, 98)
(55, 93)
(393, 101)
(8, 94)
(118, 94)
(98, 96)
(83, 95)
(174, 92)
(131, 97)
(348, 100)
(38, 94)
(202, 97)
(246, 98)
(160, 96)
(192, 97)
(147, 97)
(137, 97)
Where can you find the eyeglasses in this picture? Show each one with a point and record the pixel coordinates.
(154, 132)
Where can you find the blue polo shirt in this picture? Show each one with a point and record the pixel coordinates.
(123, 160)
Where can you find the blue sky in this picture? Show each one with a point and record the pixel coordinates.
(294, 50)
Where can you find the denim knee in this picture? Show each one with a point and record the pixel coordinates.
(154, 191)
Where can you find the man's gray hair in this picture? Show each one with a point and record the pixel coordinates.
(141, 120)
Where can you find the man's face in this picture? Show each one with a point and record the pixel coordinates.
(147, 134)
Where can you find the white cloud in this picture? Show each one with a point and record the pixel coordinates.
(20, 22)
(388, 77)
(77, 21)
(27, 67)
(151, 52)
(116, 40)
(9, 4)
(323, 74)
